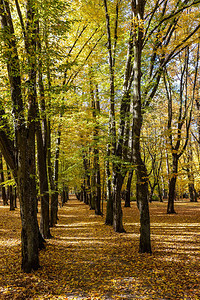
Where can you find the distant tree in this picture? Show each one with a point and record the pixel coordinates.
(184, 97)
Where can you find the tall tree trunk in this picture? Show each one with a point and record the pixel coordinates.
(141, 172)
(54, 197)
(96, 171)
(42, 149)
(23, 167)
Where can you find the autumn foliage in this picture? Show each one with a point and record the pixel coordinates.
(85, 259)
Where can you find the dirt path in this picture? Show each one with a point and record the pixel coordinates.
(87, 260)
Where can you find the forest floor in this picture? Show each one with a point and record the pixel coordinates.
(85, 259)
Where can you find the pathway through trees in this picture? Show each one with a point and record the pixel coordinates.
(85, 259)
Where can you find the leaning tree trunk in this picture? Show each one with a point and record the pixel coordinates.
(172, 186)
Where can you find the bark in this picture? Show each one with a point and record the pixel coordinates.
(152, 188)
(109, 206)
(63, 197)
(15, 197)
(191, 188)
(111, 147)
(28, 204)
(54, 197)
(88, 197)
(98, 197)
(184, 116)
(141, 172)
(128, 190)
(143, 206)
(117, 209)
(52, 171)
(42, 150)
(10, 194)
(43, 184)
(84, 193)
(21, 159)
(97, 177)
(172, 186)
(3, 189)
(160, 193)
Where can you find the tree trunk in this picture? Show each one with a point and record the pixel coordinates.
(98, 197)
(160, 192)
(88, 197)
(23, 154)
(143, 206)
(128, 190)
(109, 206)
(172, 185)
(93, 189)
(43, 184)
(42, 149)
(150, 197)
(141, 172)
(3, 189)
(152, 187)
(10, 191)
(191, 188)
(54, 198)
(15, 197)
(27, 198)
(117, 209)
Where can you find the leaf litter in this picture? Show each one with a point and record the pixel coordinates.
(86, 259)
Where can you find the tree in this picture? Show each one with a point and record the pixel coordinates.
(153, 30)
(19, 152)
(185, 98)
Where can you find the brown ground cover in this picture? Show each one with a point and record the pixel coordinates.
(87, 260)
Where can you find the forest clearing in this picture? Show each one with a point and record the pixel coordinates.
(85, 259)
